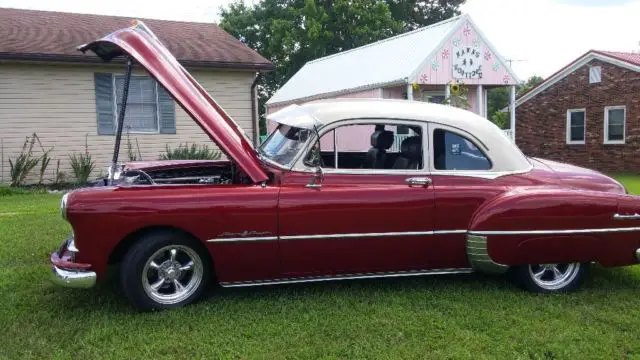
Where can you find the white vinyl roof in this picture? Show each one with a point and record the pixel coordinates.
(385, 62)
(504, 154)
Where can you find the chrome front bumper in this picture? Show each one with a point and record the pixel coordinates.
(68, 273)
(80, 279)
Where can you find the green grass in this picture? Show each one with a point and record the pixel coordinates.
(631, 182)
(455, 317)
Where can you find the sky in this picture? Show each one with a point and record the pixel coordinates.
(540, 36)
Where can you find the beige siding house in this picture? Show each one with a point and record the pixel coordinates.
(57, 95)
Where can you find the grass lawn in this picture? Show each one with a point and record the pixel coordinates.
(456, 317)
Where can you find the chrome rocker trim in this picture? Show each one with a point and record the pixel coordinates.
(72, 278)
(479, 258)
(338, 236)
(347, 277)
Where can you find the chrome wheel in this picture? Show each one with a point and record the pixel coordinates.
(172, 274)
(554, 276)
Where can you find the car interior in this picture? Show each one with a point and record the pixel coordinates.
(386, 149)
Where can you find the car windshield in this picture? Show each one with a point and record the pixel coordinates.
(284, 144)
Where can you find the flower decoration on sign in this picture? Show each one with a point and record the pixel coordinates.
(466, 31)
(496, 66)
(445, 53)
(424, 78)
(506, 79)
(487, 54)
(434, 64)
(476, 43)
(455, 42)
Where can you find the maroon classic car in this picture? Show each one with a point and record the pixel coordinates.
(438, 191)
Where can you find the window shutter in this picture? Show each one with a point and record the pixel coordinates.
(104, 103)
(166, 111)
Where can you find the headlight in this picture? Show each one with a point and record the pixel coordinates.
(63, 206)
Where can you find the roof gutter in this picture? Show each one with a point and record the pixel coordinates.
(94, 60)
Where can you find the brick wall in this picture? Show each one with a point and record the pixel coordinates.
(541, 121)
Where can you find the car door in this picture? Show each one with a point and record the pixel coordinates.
(462, 180)
(356, 220)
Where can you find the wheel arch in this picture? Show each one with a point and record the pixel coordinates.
(126, 242)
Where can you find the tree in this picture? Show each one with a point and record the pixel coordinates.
(498, 99)
(414, 14)
(529, 84)
(292, 32)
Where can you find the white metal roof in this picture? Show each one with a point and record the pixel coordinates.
(504, 154)
(384, 62)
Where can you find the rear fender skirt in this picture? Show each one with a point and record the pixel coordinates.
(530, 226)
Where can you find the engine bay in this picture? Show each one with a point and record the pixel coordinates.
(186, 173)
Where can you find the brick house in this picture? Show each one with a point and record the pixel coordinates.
(67, 98)
(588, 113)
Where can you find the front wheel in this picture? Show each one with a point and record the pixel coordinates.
(551, 278)
(164, 271)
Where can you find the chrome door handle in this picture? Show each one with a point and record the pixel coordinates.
(626, 216)
(424, 181)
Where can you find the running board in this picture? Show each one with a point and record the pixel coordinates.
(347, 277)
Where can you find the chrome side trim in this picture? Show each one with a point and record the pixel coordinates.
(240, 239)
(359, 235)
(479, 258)
(347, 277)
(550, 232)
(626, 216)
(337, 236)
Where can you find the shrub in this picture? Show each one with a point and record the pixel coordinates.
(133, 155)
(21, 166)
(82, 165)
(60, 175)
(193, 152)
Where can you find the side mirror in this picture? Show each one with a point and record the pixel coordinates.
(317, 179)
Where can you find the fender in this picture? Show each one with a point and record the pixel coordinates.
(540, 225)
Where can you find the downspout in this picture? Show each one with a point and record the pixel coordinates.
(254, 110)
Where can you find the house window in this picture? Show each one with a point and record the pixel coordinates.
(614, 122)
(595, 74)
(150, 108)
(142, 104)
(576, 125)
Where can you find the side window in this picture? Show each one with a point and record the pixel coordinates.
(369, 146)
(455, 152)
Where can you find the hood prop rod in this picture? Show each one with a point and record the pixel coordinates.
(123, 108)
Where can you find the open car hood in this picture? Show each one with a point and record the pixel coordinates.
(144, 47)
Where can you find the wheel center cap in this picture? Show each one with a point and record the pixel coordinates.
(172, 273)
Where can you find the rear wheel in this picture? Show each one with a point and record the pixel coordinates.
(164, 271)
(551, 278)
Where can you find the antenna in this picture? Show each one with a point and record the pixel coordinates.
(511, 61)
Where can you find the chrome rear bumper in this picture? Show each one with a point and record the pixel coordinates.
(638, 255)
(81, 279)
